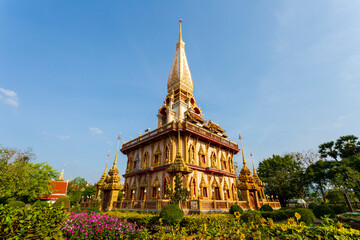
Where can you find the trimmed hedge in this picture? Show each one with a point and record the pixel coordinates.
(251, 217)
(171, 214)
(338, 209)
(33, 222)
(64, 201)
(312, 205)
(307, 215)
(322, 210)
(266, 208)
(17, 204)
(235, 208)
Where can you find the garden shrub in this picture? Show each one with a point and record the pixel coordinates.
(17, 204)
(33, 222)
(338, 209)
(312, 205)
(171, 214)
(251, 216)
(64, 201)
(147, 220)
(41, 203)
(266, 208)
(195, 223)
(322, 210)
(307, 215)
(76, 209)
(235, 208)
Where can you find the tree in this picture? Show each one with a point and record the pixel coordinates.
(345, 146)
(21, 179)
(283, 176)
(317, 176)
(179, 194)
(78, 188)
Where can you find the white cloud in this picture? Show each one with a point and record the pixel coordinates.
(95, 130)
(9, 97)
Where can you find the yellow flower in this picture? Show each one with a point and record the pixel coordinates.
(271, 223)
(237, 214)
(263, 220)
(299, 230)
(204, 226)
(242, 237)
(298, 216)
(339, 225)
(302, 224)
(291, 221)
(160, 220)
(319, 237)
(283, 227)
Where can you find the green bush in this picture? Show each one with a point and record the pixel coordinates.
(338, 209)
(171, 214)
(235, 208)
(307, 215)
(312, 205)
(147, 220)
(195, 223)
(251, 216)
(41, 203)
(76, 209)
(17, 204)
(33, 222)
(266, 208)
(322, 210)
(64, 201)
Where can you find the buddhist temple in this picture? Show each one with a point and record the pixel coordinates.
(183, 144)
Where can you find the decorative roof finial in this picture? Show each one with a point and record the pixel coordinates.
(107, 160)
(117, 150)
(180, 35)
(252, 160)
(242, 150)
(61, 178)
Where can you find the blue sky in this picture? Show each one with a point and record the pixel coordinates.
(73, 74)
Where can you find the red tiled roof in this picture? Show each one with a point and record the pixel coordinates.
(58, 189)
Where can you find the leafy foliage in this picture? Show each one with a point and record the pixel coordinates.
(17, 204)
(266, 208)
(33, 222)
(251, 217)
(79, 189)
(312, 205)
(22, 180)
(283, 176)
(235, 208)
(338, 209)
(179, 194)
(62, 201)
(322, 210)
(171, 214)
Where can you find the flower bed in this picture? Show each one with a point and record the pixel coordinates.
(100, 226)
(346, 217)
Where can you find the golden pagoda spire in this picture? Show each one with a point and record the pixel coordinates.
(252, 160)
(107, 160)
(61, 177)
(242, 150)
(180, 35)
(117, 150)
(180, 76)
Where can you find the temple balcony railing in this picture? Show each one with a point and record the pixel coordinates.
(184, 126)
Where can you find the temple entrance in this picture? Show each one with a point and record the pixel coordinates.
(217, 193)
(106, 200)
(252, 201)
(141, 195)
